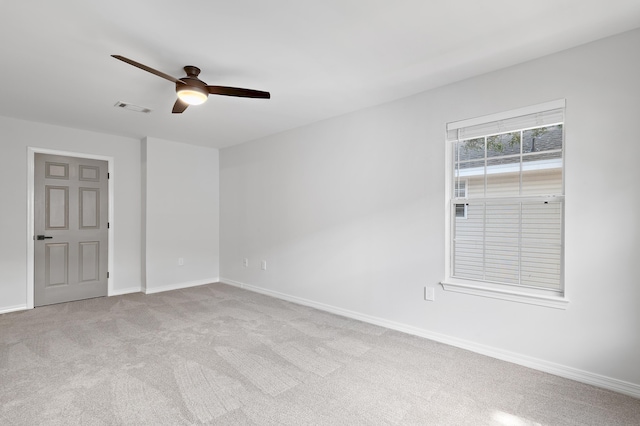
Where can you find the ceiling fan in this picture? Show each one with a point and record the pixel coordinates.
(193, 91)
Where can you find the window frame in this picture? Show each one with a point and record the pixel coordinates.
(535, 296)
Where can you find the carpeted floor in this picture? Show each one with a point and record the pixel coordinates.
(220, 355)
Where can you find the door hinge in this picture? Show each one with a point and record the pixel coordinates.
(108, 175)
(107, 275)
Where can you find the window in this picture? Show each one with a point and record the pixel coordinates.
(506, 214)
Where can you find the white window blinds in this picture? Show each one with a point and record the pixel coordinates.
(524, 118)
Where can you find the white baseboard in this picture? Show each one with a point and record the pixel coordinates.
(578, 375)
(178, 286)
(128, 290)
(7, 309)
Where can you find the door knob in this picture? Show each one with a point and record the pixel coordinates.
(42, 237)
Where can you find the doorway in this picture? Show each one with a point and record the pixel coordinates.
(71, 210)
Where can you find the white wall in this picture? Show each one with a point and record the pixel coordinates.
(349, 214)
(15, 138)
(180, 214)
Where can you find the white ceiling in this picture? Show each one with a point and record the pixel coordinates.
(318, 58)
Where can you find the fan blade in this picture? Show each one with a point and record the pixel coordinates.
(236, 91)
(148, 69)
(179, 107)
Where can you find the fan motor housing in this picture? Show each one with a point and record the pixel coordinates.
(191, 82)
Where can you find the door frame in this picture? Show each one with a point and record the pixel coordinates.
(31, 158)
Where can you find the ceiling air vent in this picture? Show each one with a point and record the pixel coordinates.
(132, 107)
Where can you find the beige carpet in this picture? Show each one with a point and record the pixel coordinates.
(220, 355)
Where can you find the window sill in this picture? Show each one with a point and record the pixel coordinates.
(466, 287)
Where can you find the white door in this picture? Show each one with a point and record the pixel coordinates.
(71, 229)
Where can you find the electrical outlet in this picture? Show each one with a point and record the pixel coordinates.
(181, 261)
(263, 265)
(429, 294)
(245, 262)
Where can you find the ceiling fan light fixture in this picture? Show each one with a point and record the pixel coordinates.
(192, 95)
